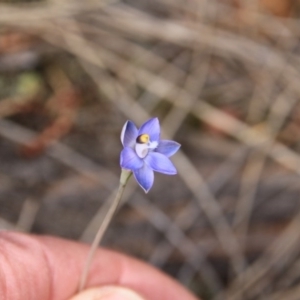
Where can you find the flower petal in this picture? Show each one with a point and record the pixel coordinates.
(152, 128)
(167, 148)
(129, 159)
(145, 177)
(160, 163)
(129, 134)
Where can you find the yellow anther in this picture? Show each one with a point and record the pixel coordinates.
(143, 139)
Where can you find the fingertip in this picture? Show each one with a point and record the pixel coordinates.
(108, 293)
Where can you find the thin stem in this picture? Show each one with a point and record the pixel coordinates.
(125, 175)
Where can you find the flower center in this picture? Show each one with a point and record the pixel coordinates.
(141, 150)
(143, 139)
(143, 144)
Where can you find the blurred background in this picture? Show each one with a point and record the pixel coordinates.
(223, 76)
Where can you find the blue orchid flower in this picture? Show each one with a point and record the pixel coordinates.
(144, 152)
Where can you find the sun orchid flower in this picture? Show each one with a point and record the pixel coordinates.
(144, 152)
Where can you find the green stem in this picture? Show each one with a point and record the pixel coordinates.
(125, 175)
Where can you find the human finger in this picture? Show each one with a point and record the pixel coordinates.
(48, 268)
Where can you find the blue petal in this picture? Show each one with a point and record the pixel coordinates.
(152, 128)
(160, 163)
(167, 148)
(145, 177)
(129, 134)
(129, 159)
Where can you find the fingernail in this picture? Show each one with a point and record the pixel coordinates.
(108, 293)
